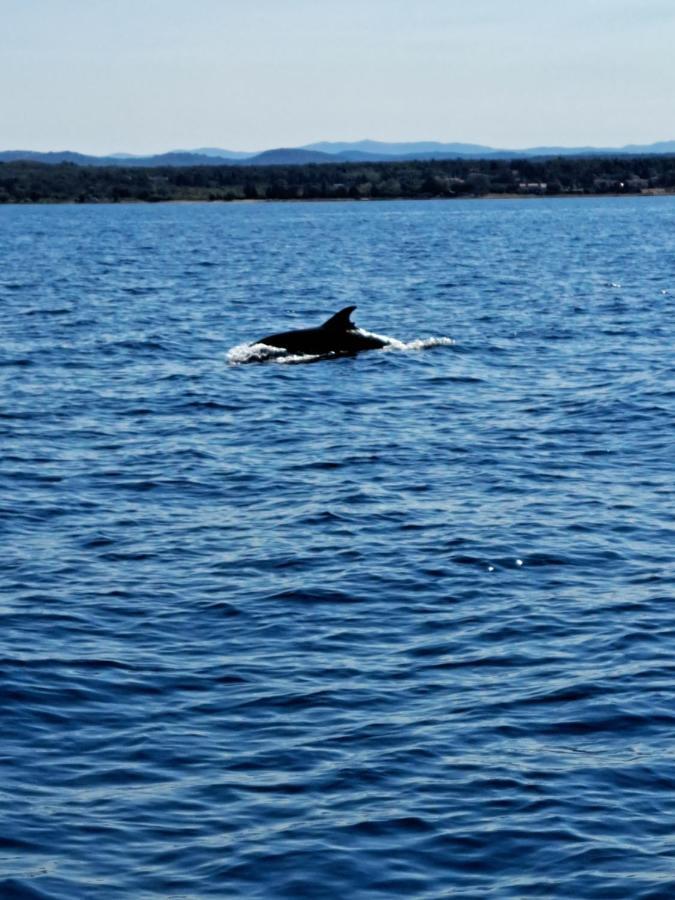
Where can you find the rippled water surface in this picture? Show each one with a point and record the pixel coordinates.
(400, 624)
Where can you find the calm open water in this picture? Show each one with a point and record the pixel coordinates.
(399, 625)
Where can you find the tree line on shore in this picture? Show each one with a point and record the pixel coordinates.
(30, 182)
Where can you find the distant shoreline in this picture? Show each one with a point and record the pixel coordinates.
(38, 182)
(244, 200)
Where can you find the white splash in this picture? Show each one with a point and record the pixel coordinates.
(246, 353)
(419, 344)
(393, 344)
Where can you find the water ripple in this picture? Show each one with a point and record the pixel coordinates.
(392, 625)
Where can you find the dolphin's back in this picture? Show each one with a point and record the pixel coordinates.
(337, 335)
(294, 340)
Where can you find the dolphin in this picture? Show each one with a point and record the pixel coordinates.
(337, 335)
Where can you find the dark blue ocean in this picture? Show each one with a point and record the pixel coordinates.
(393, 625)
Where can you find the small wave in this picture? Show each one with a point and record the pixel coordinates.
(57, 311)
(135, 344)
(21, 889)
(21, 361)
(315, 595)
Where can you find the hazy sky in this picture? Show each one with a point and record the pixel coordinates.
(152, 75)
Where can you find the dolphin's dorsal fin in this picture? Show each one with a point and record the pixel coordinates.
(341, 321)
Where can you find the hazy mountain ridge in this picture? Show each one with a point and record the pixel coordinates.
(396, 149)
(327, 152)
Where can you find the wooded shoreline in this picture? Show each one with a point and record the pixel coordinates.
(30, 182)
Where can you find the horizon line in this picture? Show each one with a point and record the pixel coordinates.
(311, 144)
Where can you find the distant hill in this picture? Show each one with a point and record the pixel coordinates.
(380, 148)
(174, 158)
(64, 156)
(658, 147)
(219, 153)
(359, 150)
(330, 152)
(286, 156)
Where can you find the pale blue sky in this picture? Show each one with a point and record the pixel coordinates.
(152, 75)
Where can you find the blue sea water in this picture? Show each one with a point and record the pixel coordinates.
(396, 625)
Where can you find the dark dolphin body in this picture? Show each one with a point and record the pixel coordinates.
(337, 335)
